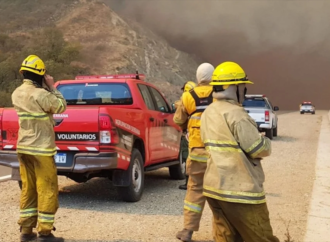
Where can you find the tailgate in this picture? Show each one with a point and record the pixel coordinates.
(258, 114)
(9, 121)
(77, 129)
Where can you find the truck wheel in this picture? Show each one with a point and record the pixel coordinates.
(20, 184)
(301, 112)
(313, 113)
(275, 131)
(133, 192)
(178, 172)
(269, 133)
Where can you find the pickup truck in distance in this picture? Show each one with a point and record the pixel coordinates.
(262, 111)
(115, 126)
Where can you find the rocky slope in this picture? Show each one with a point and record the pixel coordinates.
(112, 45)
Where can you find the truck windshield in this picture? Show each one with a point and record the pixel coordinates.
(255, 102)
(96, 93)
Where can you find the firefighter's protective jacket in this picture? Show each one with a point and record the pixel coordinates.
(35, 108)
(188, 114)
(234, 172)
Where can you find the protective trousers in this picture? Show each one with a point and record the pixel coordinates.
(39, 197)
(238, 222)
(194, 201)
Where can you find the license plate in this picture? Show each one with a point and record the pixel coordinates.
(60, 158)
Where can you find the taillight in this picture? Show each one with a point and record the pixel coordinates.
(266, 115)
(108, 132)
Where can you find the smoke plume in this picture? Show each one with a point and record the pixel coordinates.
(283, 45)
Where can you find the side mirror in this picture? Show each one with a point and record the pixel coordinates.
(162, 109)
(276, 108)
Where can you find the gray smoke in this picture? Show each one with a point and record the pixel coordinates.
(283, 45)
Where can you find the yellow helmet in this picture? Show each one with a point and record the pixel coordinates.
(33, 64)
(229, 73)
(188, 86)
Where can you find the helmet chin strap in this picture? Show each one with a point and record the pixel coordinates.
(241, 92)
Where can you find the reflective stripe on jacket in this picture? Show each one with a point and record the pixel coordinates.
(190, 110)
(35, 108)
(234, 172)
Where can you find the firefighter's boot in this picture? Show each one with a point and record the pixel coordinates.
(28, 237)
(184, 187)
(49, 238)
(185, 235)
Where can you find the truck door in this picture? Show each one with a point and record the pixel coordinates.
(153, 136)
(170, 135)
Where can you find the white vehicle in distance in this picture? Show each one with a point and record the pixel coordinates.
(307, 107)
(262, 111)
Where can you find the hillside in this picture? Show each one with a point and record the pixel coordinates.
(108, 44)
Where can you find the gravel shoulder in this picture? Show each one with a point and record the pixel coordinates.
(92, 212)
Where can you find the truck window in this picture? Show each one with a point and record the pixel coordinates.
(146, 96)
(96, 93)
(255, 103)
(161, 104)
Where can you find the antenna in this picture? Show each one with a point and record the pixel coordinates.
(137, 75)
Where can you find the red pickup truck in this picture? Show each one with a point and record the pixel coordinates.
(115, 126)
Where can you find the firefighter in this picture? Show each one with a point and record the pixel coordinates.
(188, 115)
(233, 181)
(184, 141)
(35, 102)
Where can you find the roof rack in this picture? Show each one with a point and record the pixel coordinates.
(136, 76)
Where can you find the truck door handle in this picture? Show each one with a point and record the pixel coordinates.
(151, 119)
(165, 121)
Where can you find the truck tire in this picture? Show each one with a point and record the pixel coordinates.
(275, 131)
(301, 112)
(178, 172)
(134, 191)
(269, 133)
(313, 113)
(20, 184)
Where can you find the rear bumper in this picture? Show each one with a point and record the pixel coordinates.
(78, 163)
(307, 111)
(262, 126)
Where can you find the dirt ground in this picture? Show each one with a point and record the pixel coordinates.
(92, 211)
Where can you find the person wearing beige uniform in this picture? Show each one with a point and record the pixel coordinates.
(233, 181)
(35, 106)
(188, 113)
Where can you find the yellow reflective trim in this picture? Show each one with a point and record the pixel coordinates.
(46, 220)
(46, 215)
(61, 105)
(220, 142)
(228, 149)
(35, 118)
(26, 215)
(233, 199)
(37, 149)
(255, 144)
(28, 210)
(192, 207)
(35, 153)
(31, 114)
(199, 158)
(249, 194)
